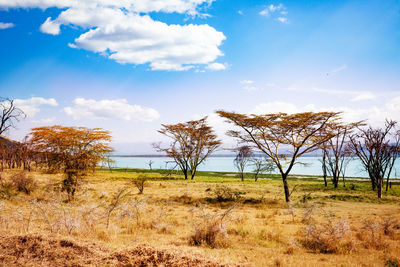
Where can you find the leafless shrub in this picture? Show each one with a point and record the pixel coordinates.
(371, 235)
(115, 202)
(224, 193)
(328, 237)
(23, 182)
(133, 210)
(308, 213)
(390, 226)
(211, 230)
(46, 214)
(140, 183)
(210, 233)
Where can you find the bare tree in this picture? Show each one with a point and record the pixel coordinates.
(283, 137)
(336, 152)
(378, 150)
(193, 142)
(9, 114)
(150, 162)
(243, 157)
(262, 165)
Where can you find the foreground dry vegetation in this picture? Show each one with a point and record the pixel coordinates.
(203, 222)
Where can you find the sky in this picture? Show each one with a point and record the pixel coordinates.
(129, 66)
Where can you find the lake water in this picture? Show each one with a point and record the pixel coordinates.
(225, 164)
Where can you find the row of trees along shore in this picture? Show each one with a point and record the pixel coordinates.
(282, 138)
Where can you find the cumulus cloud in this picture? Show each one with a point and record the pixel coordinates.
(277, 11)
(119, 30)
(32, 105)
(50, 27)
(138, 6)
(216, 66)
(4, 25)
(110, 109)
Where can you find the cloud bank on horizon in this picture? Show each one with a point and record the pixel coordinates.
(122, 31)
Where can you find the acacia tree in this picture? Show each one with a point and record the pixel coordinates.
(193, 142)
(243, 156)
(9, 114)
(283, 137)
(73, 150)
(336, 152)
(378, 149)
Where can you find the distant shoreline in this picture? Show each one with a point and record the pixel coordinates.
(211, 156)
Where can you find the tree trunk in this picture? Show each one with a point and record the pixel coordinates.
(193, 173)
(286, 187)
(380, 182)
(335, 180)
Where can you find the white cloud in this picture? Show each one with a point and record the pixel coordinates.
(264, 12)
(356, 95)
(279, 11)
(240, 12)
(50, 27)
(248, 85)
(274, 8)
(216, 66)
(246, 82)
(375, 115)
(138, 6)
(45, 121)
(250, 88)
(110, 109)
(4, 25)
(363, 96)
(282, 19)
(275, 107)
(118, 30)
(32, 105)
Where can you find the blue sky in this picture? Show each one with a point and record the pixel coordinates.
(130, 65)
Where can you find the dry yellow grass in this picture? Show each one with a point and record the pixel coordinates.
(260, 230)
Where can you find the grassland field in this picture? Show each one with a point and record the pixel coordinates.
(215, 216)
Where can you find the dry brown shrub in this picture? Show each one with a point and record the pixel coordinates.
(31, 250)
(23, 182)
(372, 235)
(6, 189)
(140, 183)
(392, 261)
(224, 193)
(327, 237)
(391, 228)
(212, 234)
(210, 230)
